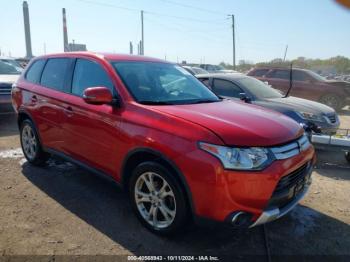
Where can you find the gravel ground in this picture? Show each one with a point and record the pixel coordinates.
(63, 210)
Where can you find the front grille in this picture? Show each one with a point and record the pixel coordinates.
(332, 118)
(291, 149)
(290, 186)
(5, 88)
(292, 179)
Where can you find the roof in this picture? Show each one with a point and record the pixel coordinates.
(106, 56)
(227, 76)
(279, 67)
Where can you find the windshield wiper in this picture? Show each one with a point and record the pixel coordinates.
(150, 102)
(205, 101)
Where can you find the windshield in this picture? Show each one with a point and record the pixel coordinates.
(219, 67)
(8, 69)
(198, 70)
(317, 76)
(161, 83)
(258, 88)
(12, 62)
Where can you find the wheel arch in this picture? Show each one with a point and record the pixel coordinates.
(23, 115)
(139, 155)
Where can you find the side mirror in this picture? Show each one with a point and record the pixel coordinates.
(244, 97)
(98, 95)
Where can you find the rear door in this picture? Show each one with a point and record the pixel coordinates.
(48, 97)
(91, 132)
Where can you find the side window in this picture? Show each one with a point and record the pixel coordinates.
(89, 74)
(280, 74)
(226, 88)
(34, 72)
(54, 73)
(205, 81)
(259, 72)
(299, 75)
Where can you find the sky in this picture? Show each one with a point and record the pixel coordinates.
(196, 31)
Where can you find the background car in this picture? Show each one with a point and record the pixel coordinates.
(195, 70)
(8, 75)
(306, 84)
(251, 90)
(11, 61)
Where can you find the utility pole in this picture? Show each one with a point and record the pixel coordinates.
(142, 47)
(44, 48)
(285, 53)
(233, 43)
(65, 34)
(131, 48)
(27, 30)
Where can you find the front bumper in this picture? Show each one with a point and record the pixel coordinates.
(273, 213)
(219, 195)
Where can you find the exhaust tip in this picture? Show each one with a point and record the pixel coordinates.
(240, 219)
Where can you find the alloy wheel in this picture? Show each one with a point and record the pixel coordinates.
(29, 142)
(155, 200)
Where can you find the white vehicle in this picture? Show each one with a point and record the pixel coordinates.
(9, 74)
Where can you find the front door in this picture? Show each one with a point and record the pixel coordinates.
(91, 131)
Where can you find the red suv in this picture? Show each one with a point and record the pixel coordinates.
(306, 84)
(179, 150)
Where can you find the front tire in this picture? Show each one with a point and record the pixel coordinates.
(31, 145)
(333, 101)
(158, 199)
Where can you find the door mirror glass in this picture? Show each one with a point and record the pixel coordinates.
(97, 95)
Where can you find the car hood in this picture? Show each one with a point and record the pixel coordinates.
(227, 71)
(296, 104)
(337, 82)
(10, 79)
(238, 123)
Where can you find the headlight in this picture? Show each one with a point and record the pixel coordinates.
(310, 116)
(254, 158)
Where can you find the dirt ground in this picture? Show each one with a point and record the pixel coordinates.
(63, 210)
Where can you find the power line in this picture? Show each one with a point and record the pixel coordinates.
(109, 5)
(150, 12)
(193, 7)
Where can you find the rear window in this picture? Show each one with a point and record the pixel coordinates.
(54, 73)
(34, 72)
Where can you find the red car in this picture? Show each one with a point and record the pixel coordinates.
(306, 84)
(181, 152)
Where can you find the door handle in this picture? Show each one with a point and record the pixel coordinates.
(34, 99)
(68, 111)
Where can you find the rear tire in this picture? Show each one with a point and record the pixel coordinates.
(31, 145)
(158, 199)
(333, 101)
